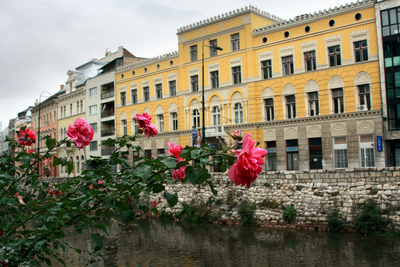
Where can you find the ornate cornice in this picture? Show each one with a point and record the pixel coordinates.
(149, 60)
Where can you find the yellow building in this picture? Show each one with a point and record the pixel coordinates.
(307, 87)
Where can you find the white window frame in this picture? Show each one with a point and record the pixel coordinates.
(216, 115)
(342, 149)
(93, 92)
(367, 148)
(93, 110)
(238, 112)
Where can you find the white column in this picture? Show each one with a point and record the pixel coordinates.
(247, 110)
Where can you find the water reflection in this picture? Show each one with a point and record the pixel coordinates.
(160, 243)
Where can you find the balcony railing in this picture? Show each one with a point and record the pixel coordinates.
(107, 132)
(107, 95)
(107, 113)
(107, 152)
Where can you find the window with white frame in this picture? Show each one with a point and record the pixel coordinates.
(159, 90)
(146, 93)
(266, 68)
(123, 98)
(313, 102)
(338, 100)
(340, 152)
(136, 124)
(124, 127)
(93, 92)
(174, 116)
(235, 44)
(238, 109)
(77, 107)
(367, 151)
(93, 110)
(269, 109)
(310, 61)
(287, 65)
(365, 97)
(270, 158)
(93, 146)
(134, 96)
(82, 106)
(172, 88)
(196, 119)
(236, 75)
(290, 106)
(212, 45)
(214, 79)
(160, 119)
(70, 109)
(194, 81)
(334, 56)
(193, 53)
(216, 116)
(94, 126)
(361, 51)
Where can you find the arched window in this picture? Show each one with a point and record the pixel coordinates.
(82, 163)
(216, 116)
(77, 164)
(196, 118)
(238, 113)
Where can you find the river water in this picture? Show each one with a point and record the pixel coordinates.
(159, 243)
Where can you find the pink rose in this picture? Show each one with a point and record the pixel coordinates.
(145, 125)
(26, 137)
(150, 131)
(20, 198)
(175, 150)
(248, 166)
(238, 135)
(80, 132)
(179, 174)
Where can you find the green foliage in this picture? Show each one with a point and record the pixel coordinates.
(335, 221)
(289, 213)
(35, 215)
(246, 211)
(370, 219)
(196, 213)
(230, 199)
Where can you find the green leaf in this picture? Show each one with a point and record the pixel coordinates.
(171, 198)
(26, 160)
(56, 161)
(61, 260)
(99, 242)
(223, 167)
(169, 162)
(40, 244)
(63, 161)
(187, 208)
(212, 187)
(157, 188)
(70, 167)
(194, 176)
(102, 227)
(144, 171)
(196, 153)
(50, 143)
(128, 216)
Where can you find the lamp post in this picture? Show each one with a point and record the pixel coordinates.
(203, 137)
(38, 134)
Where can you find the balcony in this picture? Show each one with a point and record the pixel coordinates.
(215, 131)
(107, 152)
(107, 132)
(107, 95)
(108, 112)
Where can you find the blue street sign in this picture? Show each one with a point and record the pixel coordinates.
(379, 142)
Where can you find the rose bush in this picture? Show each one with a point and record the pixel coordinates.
(36, 214)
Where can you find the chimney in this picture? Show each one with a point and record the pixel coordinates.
(62, 87)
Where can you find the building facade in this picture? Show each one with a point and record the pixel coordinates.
(100, 102)
(388, 20)
(308, 87)
(46, 126)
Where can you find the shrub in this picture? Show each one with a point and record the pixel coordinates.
(246, 211)
(335, 221)
(370, 219)
(289, 213)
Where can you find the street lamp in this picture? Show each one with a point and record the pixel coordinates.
(38, 134)
(203, 138)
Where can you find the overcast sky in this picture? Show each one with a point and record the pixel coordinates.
(42, 39)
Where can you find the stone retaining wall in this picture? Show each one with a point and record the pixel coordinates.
(315, 194)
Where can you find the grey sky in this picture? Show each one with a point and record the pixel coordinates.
(43, 39)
